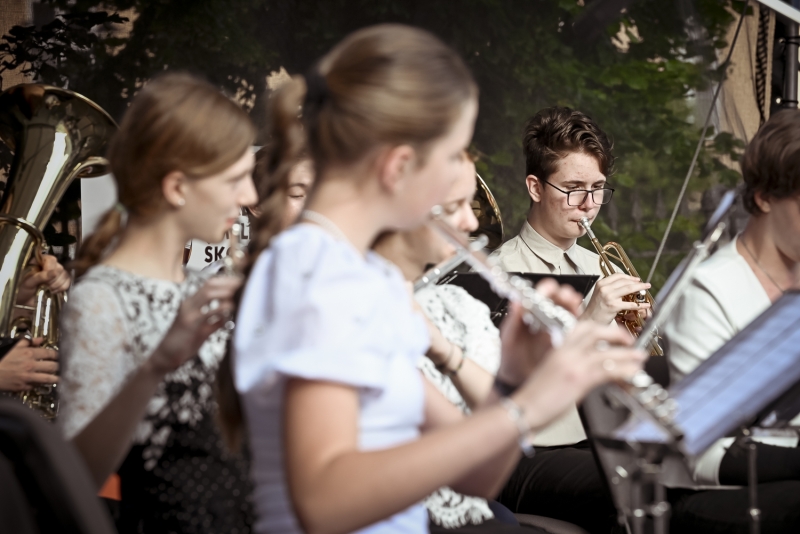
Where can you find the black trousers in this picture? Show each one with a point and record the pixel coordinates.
(725, 511)
(718, 511)
(563, 483)
(487, 527)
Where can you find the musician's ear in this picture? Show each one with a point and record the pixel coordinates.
(762, 201)
(173, 187)
(395, 166)
(534, 188)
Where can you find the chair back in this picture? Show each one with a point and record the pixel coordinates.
(55, 485)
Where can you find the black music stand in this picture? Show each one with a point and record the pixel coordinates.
(478, 287)
(752, 380)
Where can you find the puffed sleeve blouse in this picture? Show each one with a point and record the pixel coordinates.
(316, 309)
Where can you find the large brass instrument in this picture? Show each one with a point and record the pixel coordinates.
(614, 251)
(56, 136)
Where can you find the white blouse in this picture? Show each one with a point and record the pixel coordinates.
(112, 323)
(315, 308)
(723, 298)
(466, 322)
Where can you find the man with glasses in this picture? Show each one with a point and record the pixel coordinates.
(568, 160)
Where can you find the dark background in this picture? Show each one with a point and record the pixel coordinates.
(642, 69)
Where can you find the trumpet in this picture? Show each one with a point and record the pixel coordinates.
(614, 251)
(641, 394)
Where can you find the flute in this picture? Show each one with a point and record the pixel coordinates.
(434, 274)
(231, 264)
(641, 395)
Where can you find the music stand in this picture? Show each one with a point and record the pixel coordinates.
(739, 385)
(479, 288)
(754, 379)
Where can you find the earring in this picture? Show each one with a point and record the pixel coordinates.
(181, 202)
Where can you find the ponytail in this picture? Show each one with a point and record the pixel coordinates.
(383, 85)
(274, 164)
(94, 247)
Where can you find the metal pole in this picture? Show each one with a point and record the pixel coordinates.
(789, 99)
(752, 482)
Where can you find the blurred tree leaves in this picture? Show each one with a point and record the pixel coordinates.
(522, 53)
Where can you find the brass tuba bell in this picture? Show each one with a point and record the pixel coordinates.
(56, 136)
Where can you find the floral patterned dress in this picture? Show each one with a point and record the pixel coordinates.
(178, 476)
(464, 321)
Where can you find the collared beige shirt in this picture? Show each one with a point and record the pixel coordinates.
(529, 252)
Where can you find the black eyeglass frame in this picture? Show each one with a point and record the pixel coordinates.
(587, 191)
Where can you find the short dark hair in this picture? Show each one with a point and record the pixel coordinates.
(771, 162)
(556, 132)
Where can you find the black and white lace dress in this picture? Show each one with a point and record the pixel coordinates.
(178, 475)
(464, 321)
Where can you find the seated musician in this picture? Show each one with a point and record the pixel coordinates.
(568, 160)
(141, 337)
(464, 355)
(344, 432)
(729, 290)
(27, 364)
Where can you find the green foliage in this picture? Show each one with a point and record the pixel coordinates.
(66, 45)
(522, 53)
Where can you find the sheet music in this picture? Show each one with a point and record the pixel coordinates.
(735, 383)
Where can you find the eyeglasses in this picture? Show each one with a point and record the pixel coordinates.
(577, 197)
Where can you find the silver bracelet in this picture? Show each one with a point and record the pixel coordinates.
(526, 433)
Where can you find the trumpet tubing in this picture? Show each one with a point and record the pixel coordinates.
(612, 254)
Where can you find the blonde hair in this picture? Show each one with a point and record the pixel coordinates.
(383, 85)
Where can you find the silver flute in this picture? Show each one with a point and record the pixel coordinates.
(641, 395)
(231, 264)
(680, 278)
(435, 273)
(539, 311)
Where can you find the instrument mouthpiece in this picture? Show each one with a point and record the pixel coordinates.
(584, 221)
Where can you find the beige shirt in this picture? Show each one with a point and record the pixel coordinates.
(529, 252)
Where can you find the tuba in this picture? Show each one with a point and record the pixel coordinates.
(56, 136)
(614, 251)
